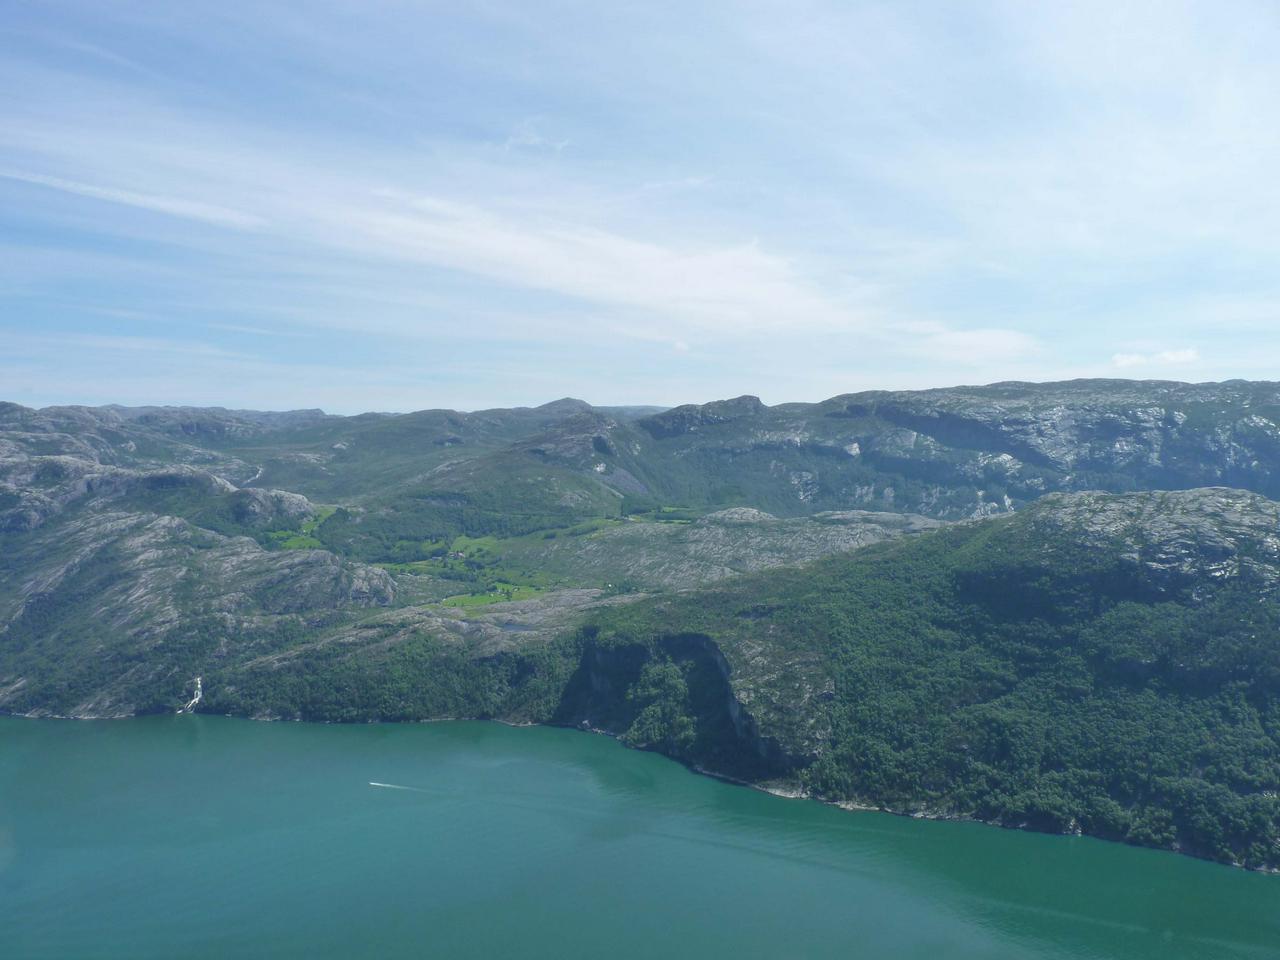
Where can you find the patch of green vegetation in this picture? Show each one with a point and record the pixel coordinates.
(287, 540)
(502, 497)
(662, 694)
(417, 678)
(485, 566)
(304, 537)
(497, 593)
(667, 514)
(416, 567)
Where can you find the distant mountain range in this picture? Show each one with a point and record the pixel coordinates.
(1042, 605)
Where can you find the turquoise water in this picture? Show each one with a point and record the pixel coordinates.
(197, 837)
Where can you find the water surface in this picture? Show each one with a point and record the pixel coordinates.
(202, 837)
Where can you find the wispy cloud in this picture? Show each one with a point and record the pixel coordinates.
(125, 344)
(651, 284)
(527, 134)
(739, 287)
(174, 206)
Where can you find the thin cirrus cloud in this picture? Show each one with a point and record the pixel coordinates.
(174, 206)
(664, 291)
(679, 205)
(739, 287)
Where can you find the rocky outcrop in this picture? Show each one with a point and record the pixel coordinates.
(1151, 433)
(692, 417)
(269, 509)
(679, 556)
(707, 724)
(1176, 537)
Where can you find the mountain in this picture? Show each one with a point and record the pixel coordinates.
(948, 454)
(1049, 606)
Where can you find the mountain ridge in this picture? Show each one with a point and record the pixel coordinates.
(693, 580)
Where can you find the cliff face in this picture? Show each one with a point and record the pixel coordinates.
(678, 696)
(965, 452)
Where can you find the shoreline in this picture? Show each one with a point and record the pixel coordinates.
(772, 788)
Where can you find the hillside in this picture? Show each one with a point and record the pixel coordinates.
(949, 454)
(1105, 664)
(968, 602)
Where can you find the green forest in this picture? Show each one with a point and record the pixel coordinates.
(986, 672)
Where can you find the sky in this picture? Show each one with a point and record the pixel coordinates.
(392, 206)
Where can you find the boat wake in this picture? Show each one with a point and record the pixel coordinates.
(397, 786)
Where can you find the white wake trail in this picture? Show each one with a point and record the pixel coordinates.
(397, 786)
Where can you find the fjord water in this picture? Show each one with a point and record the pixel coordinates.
(207, 837)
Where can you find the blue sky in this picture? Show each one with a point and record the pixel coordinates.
(391, 206)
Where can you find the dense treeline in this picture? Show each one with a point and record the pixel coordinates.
(988, 672)
(419, 678)
(411, 530)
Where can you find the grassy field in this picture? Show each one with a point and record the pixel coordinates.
(304, 537)
(498, 593)
(481, 567)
